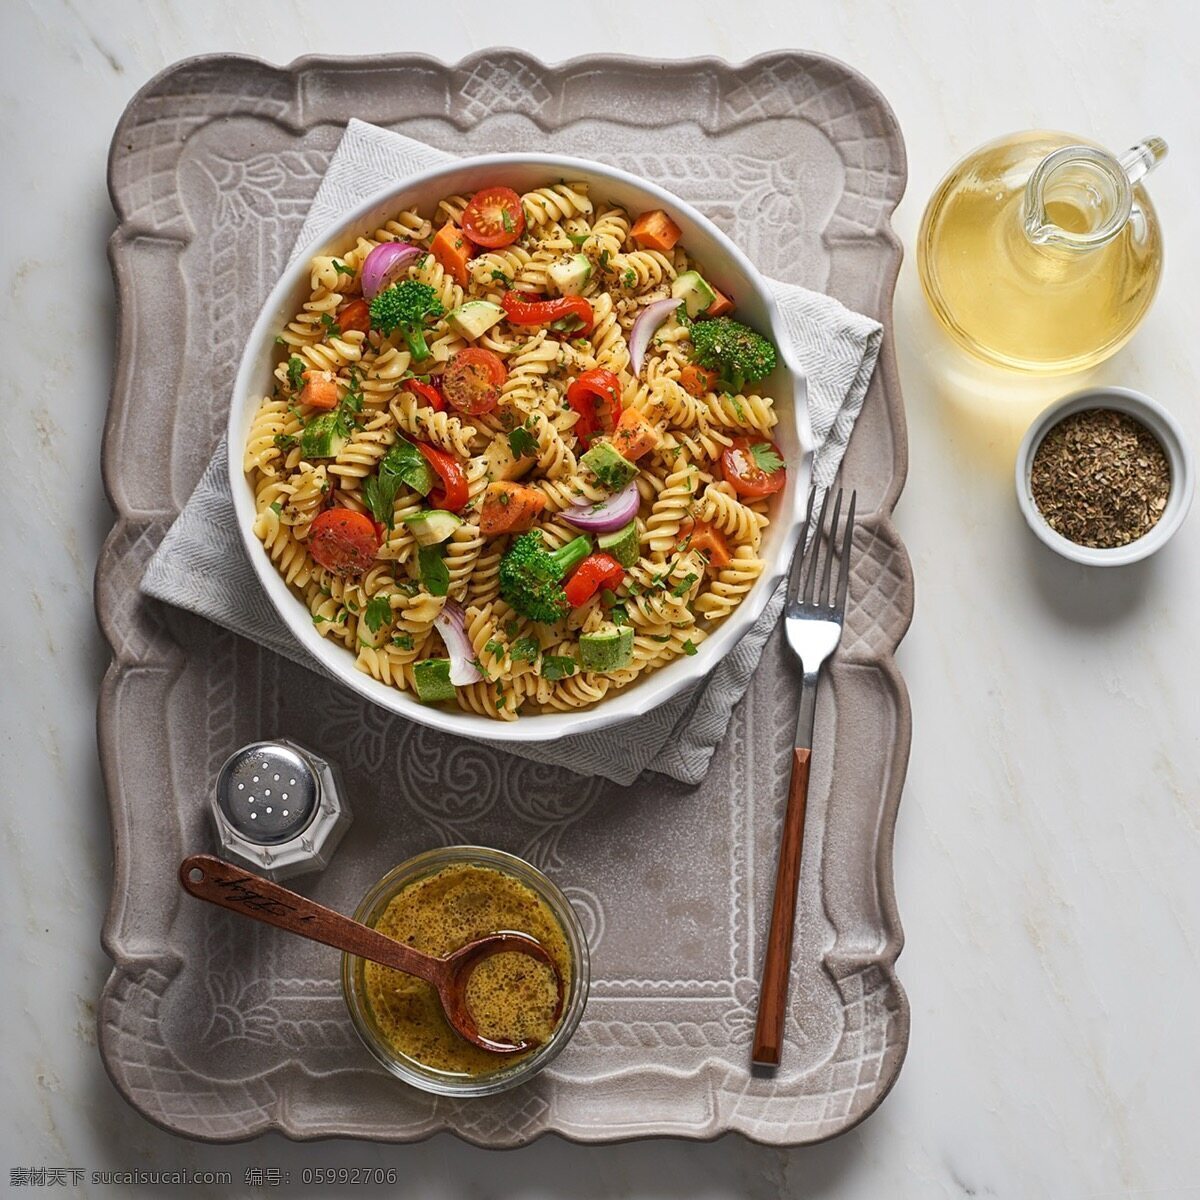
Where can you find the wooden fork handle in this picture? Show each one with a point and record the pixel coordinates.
(772, 994)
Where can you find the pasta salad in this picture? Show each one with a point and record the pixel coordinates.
(514, 457)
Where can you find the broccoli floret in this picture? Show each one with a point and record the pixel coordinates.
(736, 352)
(531, 576)
(405, 306)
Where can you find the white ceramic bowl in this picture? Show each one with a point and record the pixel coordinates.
(1170, 437)
(729, 269)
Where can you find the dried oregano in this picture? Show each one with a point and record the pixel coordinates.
(1100, 478)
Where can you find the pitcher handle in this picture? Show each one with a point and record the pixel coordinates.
(1138, 161)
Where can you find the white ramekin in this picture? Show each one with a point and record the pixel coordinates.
(1170, 436)
(729, 269)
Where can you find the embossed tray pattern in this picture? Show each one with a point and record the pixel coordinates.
(220, 1029)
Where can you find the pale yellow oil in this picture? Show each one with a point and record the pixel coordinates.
(1018, 304)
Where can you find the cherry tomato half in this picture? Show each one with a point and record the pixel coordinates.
(596, 397)
(542, 312)
(472, 380)
(597, 571)
(754, 467)
(452, 492)
(343, 541)
(494, 217)
(427, 392)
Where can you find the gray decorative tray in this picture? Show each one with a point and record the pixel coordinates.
(221, 1029)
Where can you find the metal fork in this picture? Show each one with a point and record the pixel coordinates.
(813, 624)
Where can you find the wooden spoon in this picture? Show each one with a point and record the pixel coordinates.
(219, 882)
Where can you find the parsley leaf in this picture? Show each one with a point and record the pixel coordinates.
(557, 666)
(689, 648)
(603, 259)
(342, 269)
(500, 277)
(684, 584)
(493, 647)
(378, 612)
(766, 456)
(506, 219)
(619, 616)
(525, 649)
(402, 464)
(295, 373)
(284, 441)
(277, 509)
(279, 341)
(435, 575)
(522, 443)
(403, 640)
(577, 239)
(332, 328)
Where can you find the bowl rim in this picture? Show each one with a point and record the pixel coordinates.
(629, 703)
(420, 866)
(1170, 436)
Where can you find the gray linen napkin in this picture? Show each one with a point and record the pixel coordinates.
(201, 565)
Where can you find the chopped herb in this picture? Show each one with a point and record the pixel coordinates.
(689, 647)
(377, 612)
(522, 443)
(619, 616)
(494, 647)
(499, 692)
(557, 666)
(280, 341)
(511, 627)
(738, 407)
(500, 277)
(403, 640)
(684, 584)
(277, 509)
(525, 649)
(352, 606)
(341, 268)
(630, 277)
(506, 220)
(603, 259)
(402, 464)
(577, 239)
(660, 637)
(766, 456)
(284, 441)
(318, 618)
(295, 373)
(409, 587)
(332, 328)
(435, 575)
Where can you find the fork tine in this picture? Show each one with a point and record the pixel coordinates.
(823, 598)
(793, 589)
(811, 578)
(844, 566)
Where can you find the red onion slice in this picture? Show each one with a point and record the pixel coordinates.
(613, 513)
(645, 327)
(384, 263)
(451, 624)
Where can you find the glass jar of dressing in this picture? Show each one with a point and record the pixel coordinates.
(439, 901)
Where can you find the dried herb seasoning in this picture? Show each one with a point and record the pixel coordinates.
(1100, 478)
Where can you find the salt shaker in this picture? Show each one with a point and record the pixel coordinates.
(279, 808)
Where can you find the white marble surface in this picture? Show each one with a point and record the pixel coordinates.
(1048, 845)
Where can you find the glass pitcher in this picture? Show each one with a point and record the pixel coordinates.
(1041, 251)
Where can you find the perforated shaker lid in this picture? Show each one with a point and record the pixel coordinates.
(268, 793)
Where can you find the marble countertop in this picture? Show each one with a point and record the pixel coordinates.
(1048, 844)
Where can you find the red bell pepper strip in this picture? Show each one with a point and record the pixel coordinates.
(542, 312)
(596, 572)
